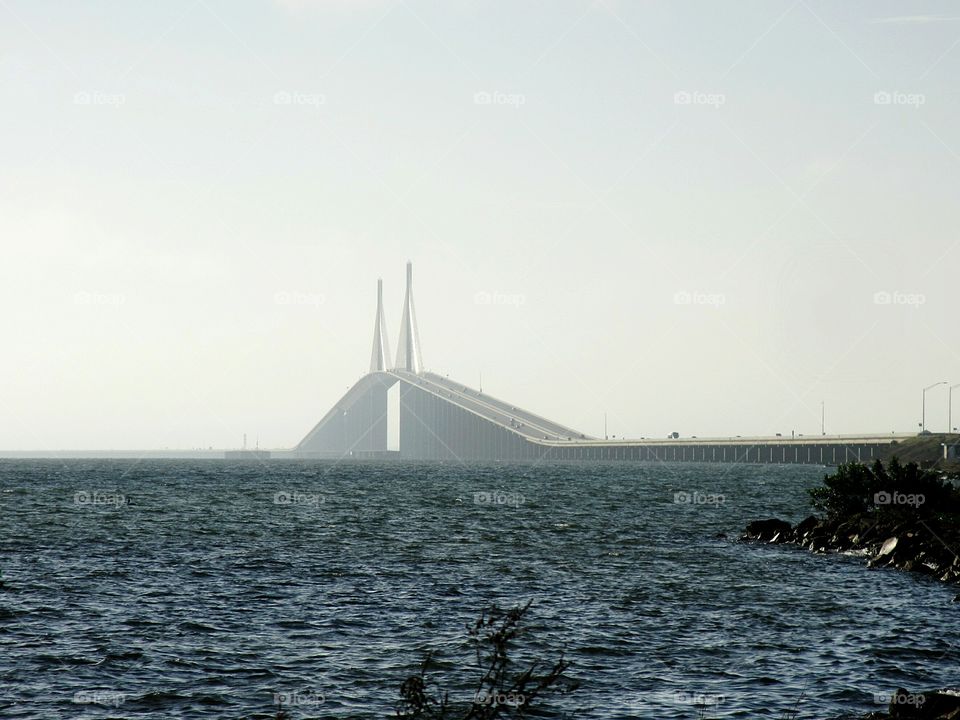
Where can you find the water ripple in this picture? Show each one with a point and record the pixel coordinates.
(200, 597)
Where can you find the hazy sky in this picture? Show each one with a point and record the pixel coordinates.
(698, 216)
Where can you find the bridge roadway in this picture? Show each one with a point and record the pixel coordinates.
(813, 449)
(520, 421)
(561, 442)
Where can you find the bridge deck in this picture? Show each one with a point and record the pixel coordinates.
(520, 421)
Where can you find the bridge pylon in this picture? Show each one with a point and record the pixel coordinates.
(408, 351)
(380, 357)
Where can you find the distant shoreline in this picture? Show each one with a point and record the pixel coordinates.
(111, 454)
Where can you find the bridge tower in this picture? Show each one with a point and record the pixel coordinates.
(380, 358)
(408, 352)
(357, 425)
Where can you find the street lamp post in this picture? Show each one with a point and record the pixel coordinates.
(951, 428)
(923, 417)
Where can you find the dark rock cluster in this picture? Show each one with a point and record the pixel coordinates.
(934, 705)
(920, 545)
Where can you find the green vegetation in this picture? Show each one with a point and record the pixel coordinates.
(894, 489)
(925, 450)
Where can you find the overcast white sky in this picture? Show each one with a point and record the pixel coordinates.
(695, 216)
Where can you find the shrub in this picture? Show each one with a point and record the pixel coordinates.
(897, 489)
(491, 635)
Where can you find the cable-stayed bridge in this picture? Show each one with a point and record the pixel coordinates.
(440, 419)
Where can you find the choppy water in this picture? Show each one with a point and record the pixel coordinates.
(202, 597)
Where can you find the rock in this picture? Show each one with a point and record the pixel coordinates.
(767, 530)
(806, 526)
(888, 547)
(909, 549)
(818, 538)
(899, 708)
(941, 705)
(933, 705)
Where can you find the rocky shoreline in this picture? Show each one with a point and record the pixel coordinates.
(898, 516)
(919, 545)
(935, 705)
